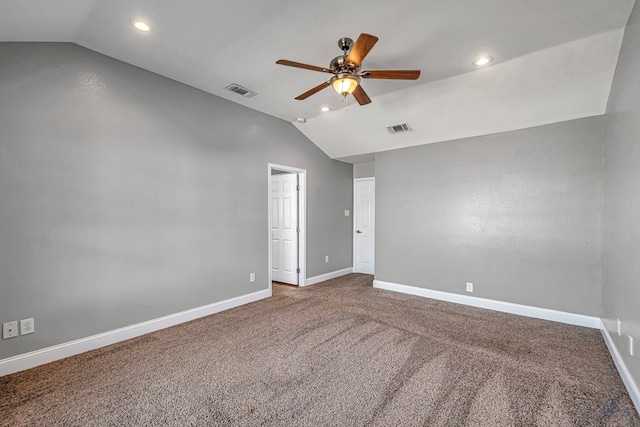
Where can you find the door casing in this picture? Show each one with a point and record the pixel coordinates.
(302, 220)
(284, 255)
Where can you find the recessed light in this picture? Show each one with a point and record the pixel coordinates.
(483, 60)
(301, 120)
(325, 109)
(141, 25)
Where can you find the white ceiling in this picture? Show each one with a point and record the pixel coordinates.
(554, 59)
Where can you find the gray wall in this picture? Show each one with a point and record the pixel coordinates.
(364, 170)
(517, 213)
(621, 255)
(126, 196)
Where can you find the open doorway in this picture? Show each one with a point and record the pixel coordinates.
(287, 227)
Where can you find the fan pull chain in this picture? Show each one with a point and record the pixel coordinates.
(346, 107)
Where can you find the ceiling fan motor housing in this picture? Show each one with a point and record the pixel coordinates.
(337, 63)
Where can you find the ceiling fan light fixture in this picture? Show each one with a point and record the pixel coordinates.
(345, 84)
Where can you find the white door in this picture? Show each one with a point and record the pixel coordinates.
(364, 224)
(284, 228)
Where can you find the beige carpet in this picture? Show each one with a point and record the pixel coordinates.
(339, 353)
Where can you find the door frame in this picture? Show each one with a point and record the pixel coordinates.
(302, 220)
(355, 215)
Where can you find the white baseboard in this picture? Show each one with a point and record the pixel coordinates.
(506, 307)
(627, 379)
(327, 276)
(60, 351)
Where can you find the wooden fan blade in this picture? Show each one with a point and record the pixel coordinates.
(391, 74)
(301, 65)
(361, 96)
(363, 45)
(312, 91)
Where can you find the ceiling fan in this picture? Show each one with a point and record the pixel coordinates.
(346, 70)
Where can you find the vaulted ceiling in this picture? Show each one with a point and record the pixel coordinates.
(554, 60)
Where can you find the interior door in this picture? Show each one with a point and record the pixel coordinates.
(284, 228)
(364, 206)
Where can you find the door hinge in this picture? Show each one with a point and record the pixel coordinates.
(298, 229)
(298, 270)
(298, 187)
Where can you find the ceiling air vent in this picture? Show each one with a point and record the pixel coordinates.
(241, 90)
(403, 127)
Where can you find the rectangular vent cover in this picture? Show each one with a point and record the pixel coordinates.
(403, 127)
(240, 90)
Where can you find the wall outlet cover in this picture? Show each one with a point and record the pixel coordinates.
(346, 212)
(619, 327)
(252, 277)
(469, 287)
(27, 326)
(630, 345)
(9, 330)
(326, 259)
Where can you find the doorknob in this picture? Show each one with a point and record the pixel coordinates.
(358, 231)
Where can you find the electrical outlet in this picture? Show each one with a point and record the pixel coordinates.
(252, 277)
(346, 212)
(630, 345)
(27, 326)
(619, 327)
(9, 330)
(469, 287)
(326, 259)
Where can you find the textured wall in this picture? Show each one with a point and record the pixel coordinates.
(621, 255)
(127, 196)
(517, 213)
